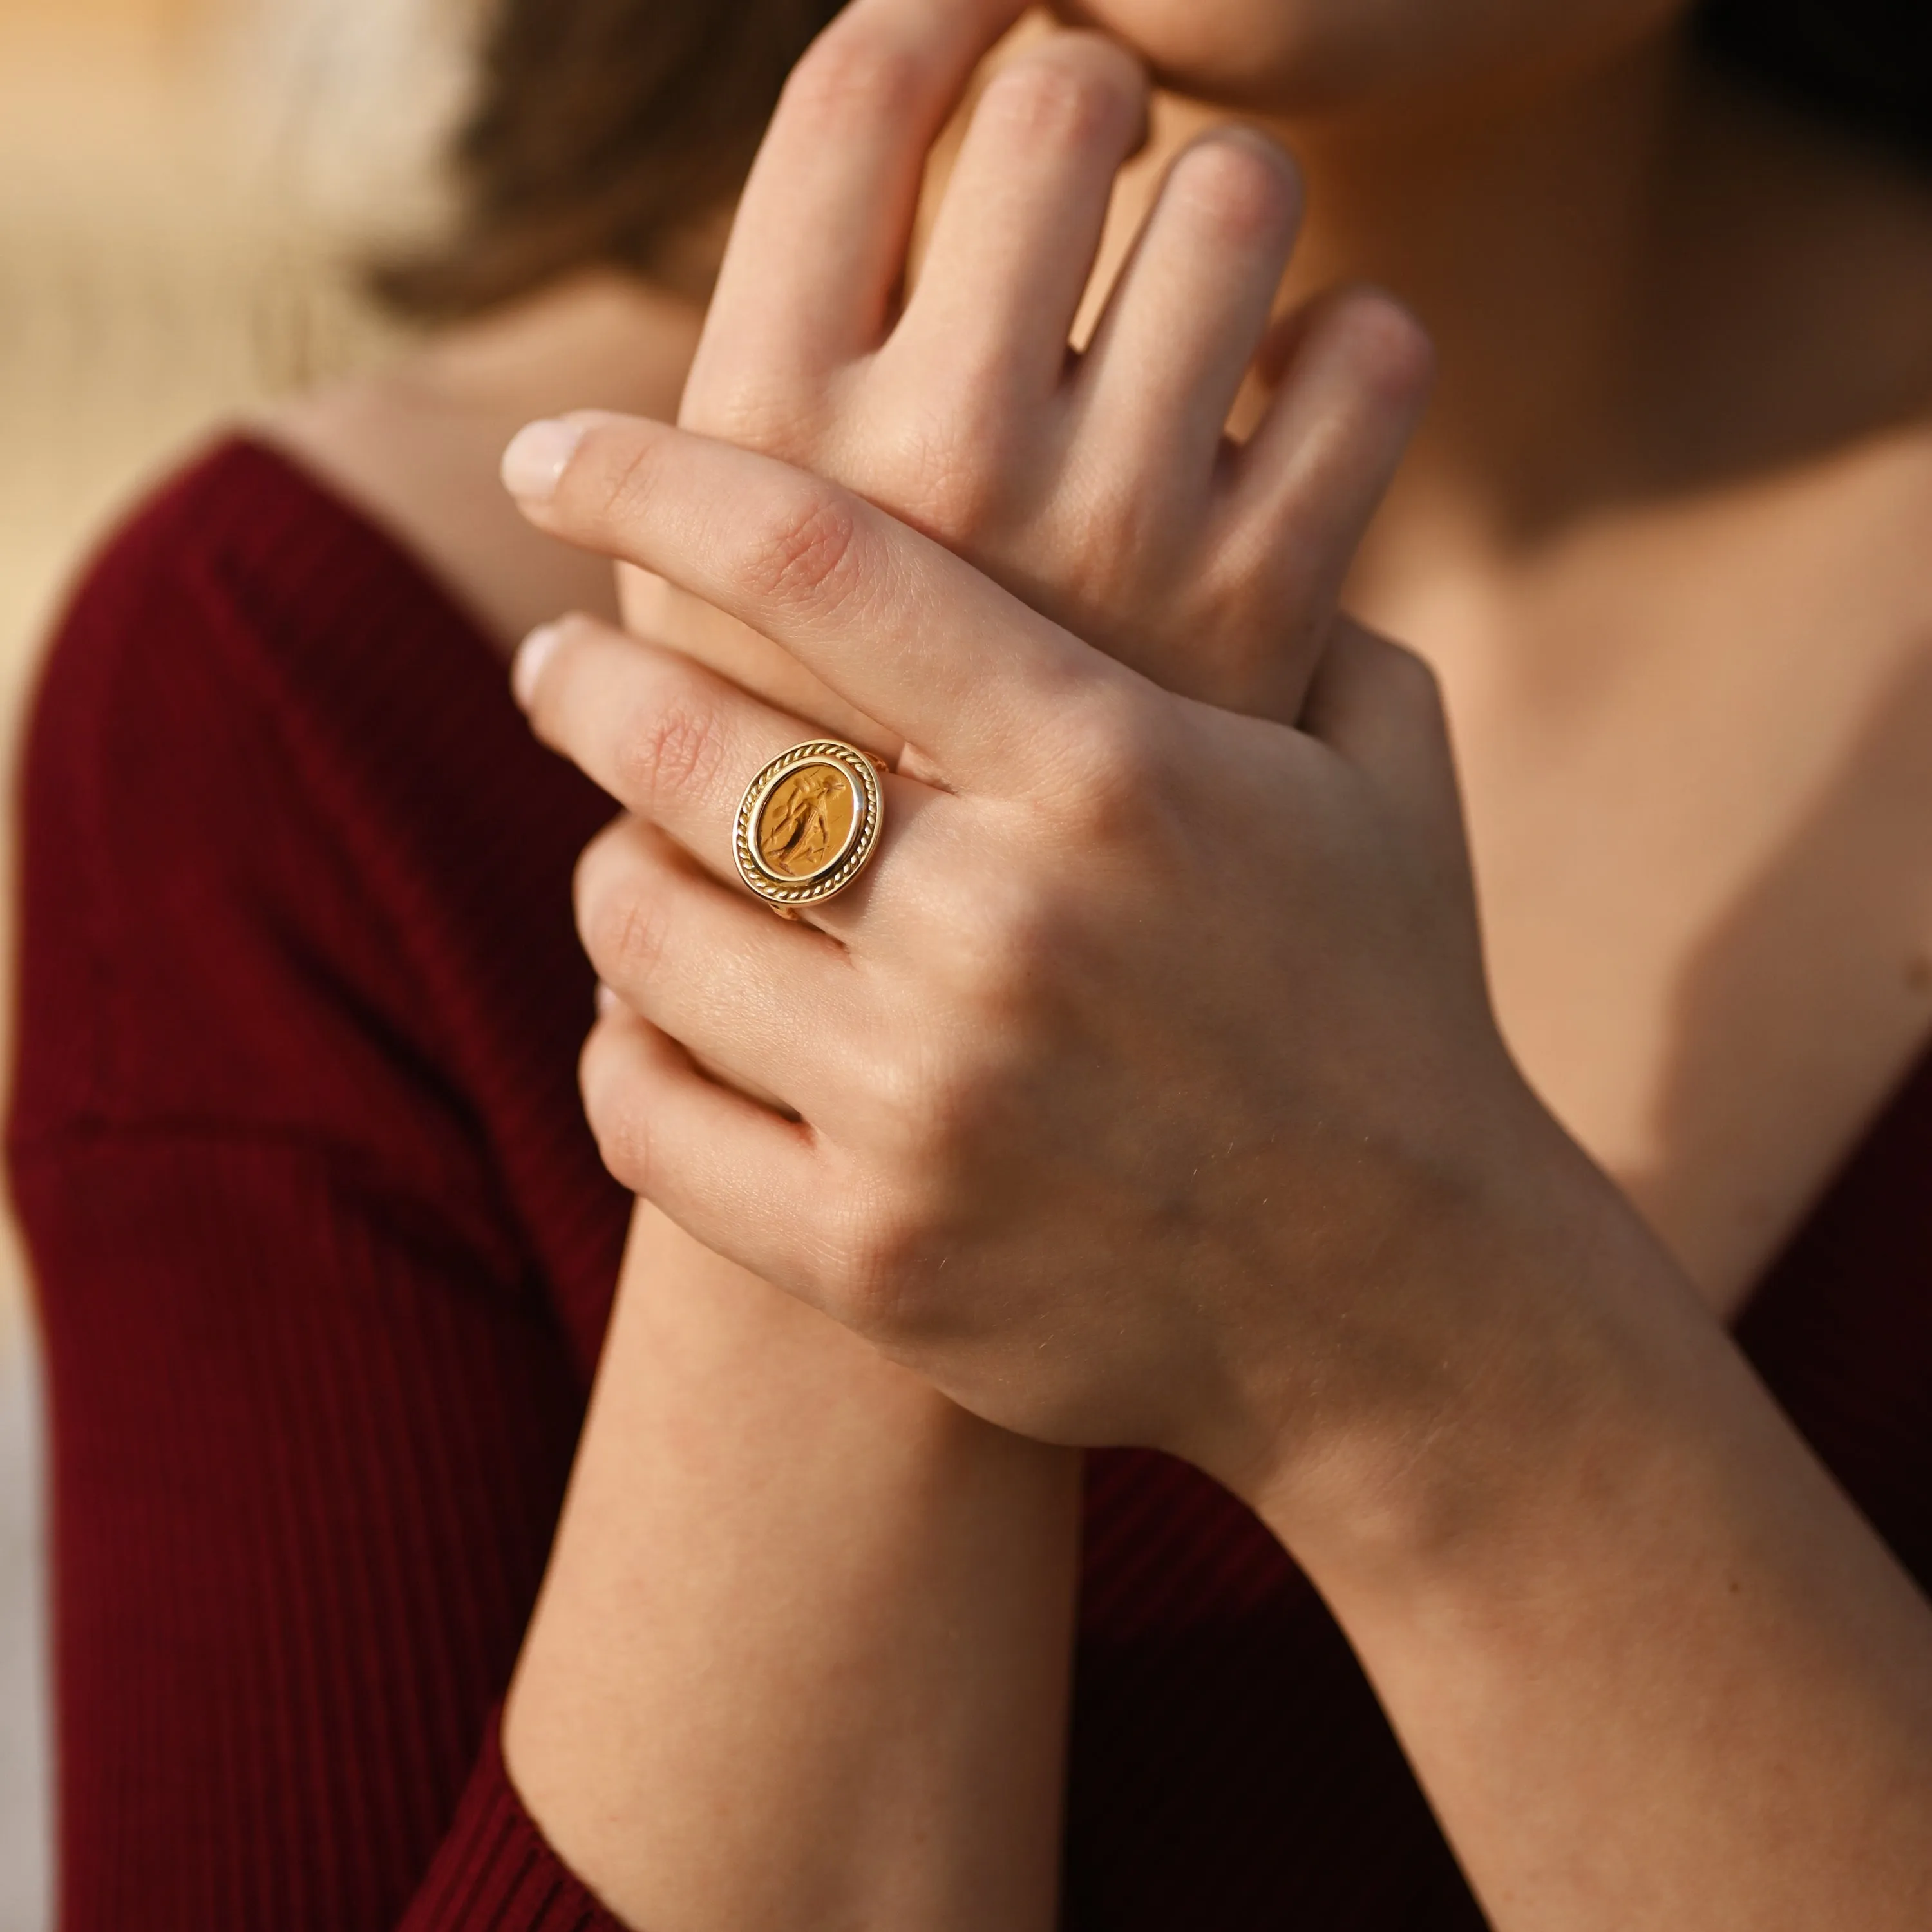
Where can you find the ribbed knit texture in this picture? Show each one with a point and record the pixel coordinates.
(324, 1254)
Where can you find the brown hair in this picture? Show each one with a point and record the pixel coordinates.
(611, 132)
(603, 132)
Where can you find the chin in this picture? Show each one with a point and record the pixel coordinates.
(1295, 57)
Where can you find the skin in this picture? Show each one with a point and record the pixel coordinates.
(646, 1793)
(1539, 482)
(1093, 1175)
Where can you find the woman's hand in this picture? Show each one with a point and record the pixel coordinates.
(1101, 486)
(1145, 1087)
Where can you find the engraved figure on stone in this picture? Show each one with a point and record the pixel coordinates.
(805, 821)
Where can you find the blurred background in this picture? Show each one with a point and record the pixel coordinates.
(185, 188)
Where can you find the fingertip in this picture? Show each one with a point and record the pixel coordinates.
(1246, 183)
(1078, 85)
(536, 457)
(532, 655)
(1389, 346)
(618, 1071)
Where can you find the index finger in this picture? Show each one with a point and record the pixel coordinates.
(818, 245)
(895, 623)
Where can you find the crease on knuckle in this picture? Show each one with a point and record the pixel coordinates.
(1051, 100)
(954, 477)
(770, 416)
(613, 477)
(636, 940)
(805, 555)
(673, 754)
(1113, 531)
(624, 929)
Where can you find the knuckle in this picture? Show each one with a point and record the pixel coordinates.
(596, 865)
(1018, 919)
(623, 924)
(1114, 753)
(1070, 95)
(1007, 962)
(944, 1123)
(624, 927)
(896, 1087)
(773, 411)
(876, 1259)
(1241, 185)
(673, 752)
(1115, 531)
(635, 934)
(614, 474)
(855, 67)
(952, 486)
(804, 551)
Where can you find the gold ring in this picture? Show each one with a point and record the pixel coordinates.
(808, 824)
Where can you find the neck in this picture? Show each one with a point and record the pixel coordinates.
(1519, 223)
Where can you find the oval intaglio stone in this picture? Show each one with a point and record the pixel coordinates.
(806, 823)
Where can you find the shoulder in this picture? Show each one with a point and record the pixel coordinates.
(240, 625)
(273, 785)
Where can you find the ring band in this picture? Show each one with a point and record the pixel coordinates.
(808, 824)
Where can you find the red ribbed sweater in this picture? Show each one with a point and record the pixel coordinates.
(325, 1252)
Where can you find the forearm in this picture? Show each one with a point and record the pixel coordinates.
(1652, 1668)
(801, 1656)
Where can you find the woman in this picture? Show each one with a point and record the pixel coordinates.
(402, 1044)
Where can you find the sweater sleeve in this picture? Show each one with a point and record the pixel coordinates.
(306, 1461)
(317, 1233)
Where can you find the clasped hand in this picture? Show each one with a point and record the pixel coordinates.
(1145, 1089)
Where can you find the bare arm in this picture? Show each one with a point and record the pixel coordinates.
(1651, 1666)
(800, 1658)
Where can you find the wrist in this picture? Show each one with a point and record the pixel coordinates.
(1553, 1333)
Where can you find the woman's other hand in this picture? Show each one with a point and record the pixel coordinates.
(1101, 487)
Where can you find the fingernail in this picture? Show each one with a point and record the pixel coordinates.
(537, 456)
(607, 1001)
(527, 668)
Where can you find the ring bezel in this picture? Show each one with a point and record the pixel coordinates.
(787, 893)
